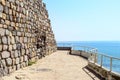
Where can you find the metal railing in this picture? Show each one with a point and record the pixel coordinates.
(77, 47)
(110, 63)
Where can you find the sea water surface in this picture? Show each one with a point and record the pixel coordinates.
(110, 48)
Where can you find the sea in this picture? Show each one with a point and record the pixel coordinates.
(110, 48)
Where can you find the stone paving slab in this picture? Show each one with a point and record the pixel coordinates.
(57, 66)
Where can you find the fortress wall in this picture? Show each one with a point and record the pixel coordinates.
(25, 33)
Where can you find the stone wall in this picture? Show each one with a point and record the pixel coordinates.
(103, 72)
(25, 33)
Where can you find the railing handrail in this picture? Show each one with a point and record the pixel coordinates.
(108, 56)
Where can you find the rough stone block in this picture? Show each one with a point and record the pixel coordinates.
(7, 32)
(4, 40)
(18, 33)
(1, 8)
(9, 61)
(6, 9)
(12, 54)
(18, 66)
(3, 15)
(0, 14)
(5, 54)
(10, 11)
(16, 54)
(17, 60)
(25, 39)
(3, 63)
(2, 31)
(11, 1)
(7, 22)
(25, 58)
(0, 41)
(10, 69)
(3, 2)
(14, 46)
(5, 26)
(1, 47)
(5, 47)
(12, 40)
(21, 59)
(5, 73)
(23, 52)
(9, 40)
(10, 48)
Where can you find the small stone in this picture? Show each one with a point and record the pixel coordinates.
(0, 47)
(18, 67)
(10, 47)
(13, 60)
(4, 40)
(25, 39)
(0, 15)
(9, 40)
(7, 22)
(27, 51)
(12, 40)
(14, 46)
(10, 11)
(2, 31)
(16, 54)
(14, 33)
(9, 61)
(25, 58)
(5, 47)
(6, 9)
(5, 54)
(12, 54)
(7, 32)
(0, 41)
(7, 4)
(11, 1)
(2, 20)
(23, 51)
(1, 8)
(10, 69)
(3, 2)
(5, 71)
(16, 38)
(3, 16)
(17, 61)
(10, 17)
(12, 24)
(21, 59)
(3, 63)
(19, 33)
(5, 26)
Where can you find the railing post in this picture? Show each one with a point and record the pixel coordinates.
(101, 60)
(95, 58)
(84, 49)
(110, 63)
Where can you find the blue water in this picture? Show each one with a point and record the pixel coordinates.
(111, 48)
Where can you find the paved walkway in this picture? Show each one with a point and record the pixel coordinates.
(57, 66)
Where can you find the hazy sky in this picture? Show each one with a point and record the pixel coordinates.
(85, 20)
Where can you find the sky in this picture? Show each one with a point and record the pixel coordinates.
(85, 20)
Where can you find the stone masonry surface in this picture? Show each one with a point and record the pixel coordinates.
(25, 33)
